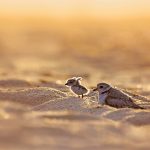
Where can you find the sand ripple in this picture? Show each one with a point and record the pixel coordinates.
(45, 117)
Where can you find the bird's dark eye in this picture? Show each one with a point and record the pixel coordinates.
(101, 87)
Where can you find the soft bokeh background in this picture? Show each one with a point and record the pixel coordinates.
(112, 35)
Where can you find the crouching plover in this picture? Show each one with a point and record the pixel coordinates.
(114, 97)
(76, 87)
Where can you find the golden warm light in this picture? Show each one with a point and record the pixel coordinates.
(74, 74)
(73, 7)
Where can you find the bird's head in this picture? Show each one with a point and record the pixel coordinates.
(102, 87)
(73, 81)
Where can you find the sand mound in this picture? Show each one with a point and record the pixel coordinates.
(119, 114)
(136, 117)
(139, 118)
(31, 96)
(48, 98)
(53, 130)
(71, 104)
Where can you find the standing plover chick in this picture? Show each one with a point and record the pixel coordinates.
(76, 87)
(114, 97)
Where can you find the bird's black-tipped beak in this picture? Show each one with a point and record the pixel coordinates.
(66, 83)
(95, 89)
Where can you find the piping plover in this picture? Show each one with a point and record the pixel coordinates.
(76, 87)
(114, 97)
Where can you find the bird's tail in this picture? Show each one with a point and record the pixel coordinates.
(138, 107)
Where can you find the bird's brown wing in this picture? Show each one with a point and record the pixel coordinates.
(120, 100)
(115, 93)
(83, 88)
(118, 103)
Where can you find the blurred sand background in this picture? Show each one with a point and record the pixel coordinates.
(42, 43)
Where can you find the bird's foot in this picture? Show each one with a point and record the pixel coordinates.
(82, 96)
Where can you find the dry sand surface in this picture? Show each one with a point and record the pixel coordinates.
(42, 114)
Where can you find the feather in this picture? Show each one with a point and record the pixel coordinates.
(119, 99)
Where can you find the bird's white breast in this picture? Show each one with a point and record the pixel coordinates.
(102, 98)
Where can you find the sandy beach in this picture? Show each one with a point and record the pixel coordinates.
(39, 53)
(37, 111)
